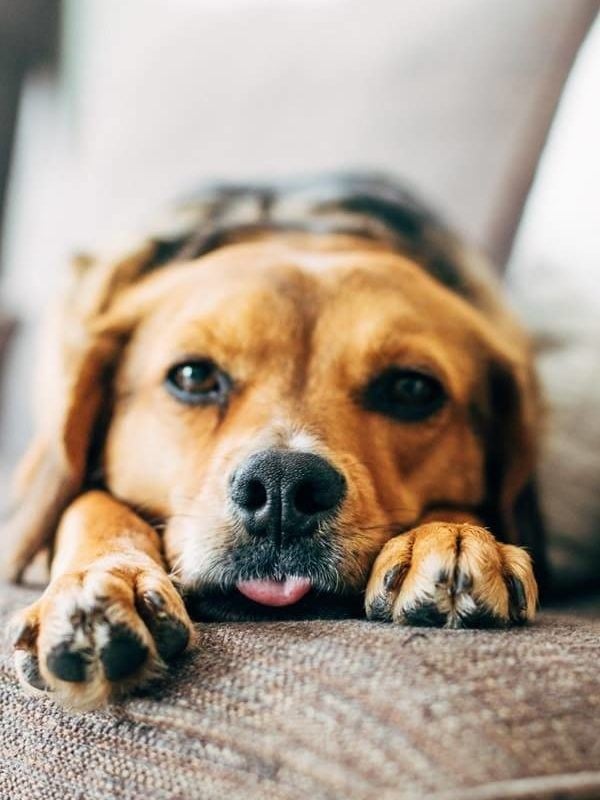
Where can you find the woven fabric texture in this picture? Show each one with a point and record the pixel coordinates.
(337, 709)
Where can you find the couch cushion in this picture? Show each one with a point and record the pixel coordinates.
(456, 98)
(554, 281)
(327, 710)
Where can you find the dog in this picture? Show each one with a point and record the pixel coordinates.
(305, 399)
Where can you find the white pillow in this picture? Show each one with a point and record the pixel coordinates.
(554, 278)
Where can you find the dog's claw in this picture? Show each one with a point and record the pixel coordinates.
(518, 599)
(29, 671)
(154, 601)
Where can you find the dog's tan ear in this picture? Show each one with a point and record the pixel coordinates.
(73, 377)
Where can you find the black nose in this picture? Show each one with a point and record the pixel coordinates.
(284, 494)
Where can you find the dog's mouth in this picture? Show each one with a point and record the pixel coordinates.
(291, 598)
(274, 593)
(261, 581)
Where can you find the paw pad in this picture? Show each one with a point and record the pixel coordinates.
(68, 664)
(124, 653)
(170, 634)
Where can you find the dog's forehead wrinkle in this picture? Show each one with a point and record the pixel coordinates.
(280, 297)
(290, 296)
(293, 271)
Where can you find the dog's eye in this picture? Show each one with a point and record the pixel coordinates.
(405, 394)
(198, 382)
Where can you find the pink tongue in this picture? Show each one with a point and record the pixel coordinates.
(275, 593)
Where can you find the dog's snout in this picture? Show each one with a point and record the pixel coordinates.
(285, 494)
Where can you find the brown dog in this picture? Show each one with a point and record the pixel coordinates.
(307, 396)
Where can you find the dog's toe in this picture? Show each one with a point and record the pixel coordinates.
(100, 633)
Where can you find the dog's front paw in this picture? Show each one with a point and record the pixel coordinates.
(99, 633)
(453, 576)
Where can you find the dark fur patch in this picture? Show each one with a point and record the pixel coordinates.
(463, 581)
(392, 578)
(232, 606)
(24, 637)
(365, 204)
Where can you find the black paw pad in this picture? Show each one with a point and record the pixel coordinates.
(171, 637)
(124, 653)
(517, 599)
(425, 615)
(481, 617)
(380, 608)
(170, 634)
(68, 665)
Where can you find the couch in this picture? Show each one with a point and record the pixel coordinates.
(328, 710)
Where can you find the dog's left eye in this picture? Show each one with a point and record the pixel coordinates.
(404, 394)
(198, 382)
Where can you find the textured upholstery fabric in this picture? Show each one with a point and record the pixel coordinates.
(338, 709)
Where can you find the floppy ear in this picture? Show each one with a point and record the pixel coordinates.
(73, 373)
(512, 509)
(81, 345)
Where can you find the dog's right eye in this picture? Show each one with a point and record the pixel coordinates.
(407, 395)
(198, 382)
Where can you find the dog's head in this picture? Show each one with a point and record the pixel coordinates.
(282, 407)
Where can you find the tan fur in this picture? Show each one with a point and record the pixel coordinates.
(106, 559)
(301, 322)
